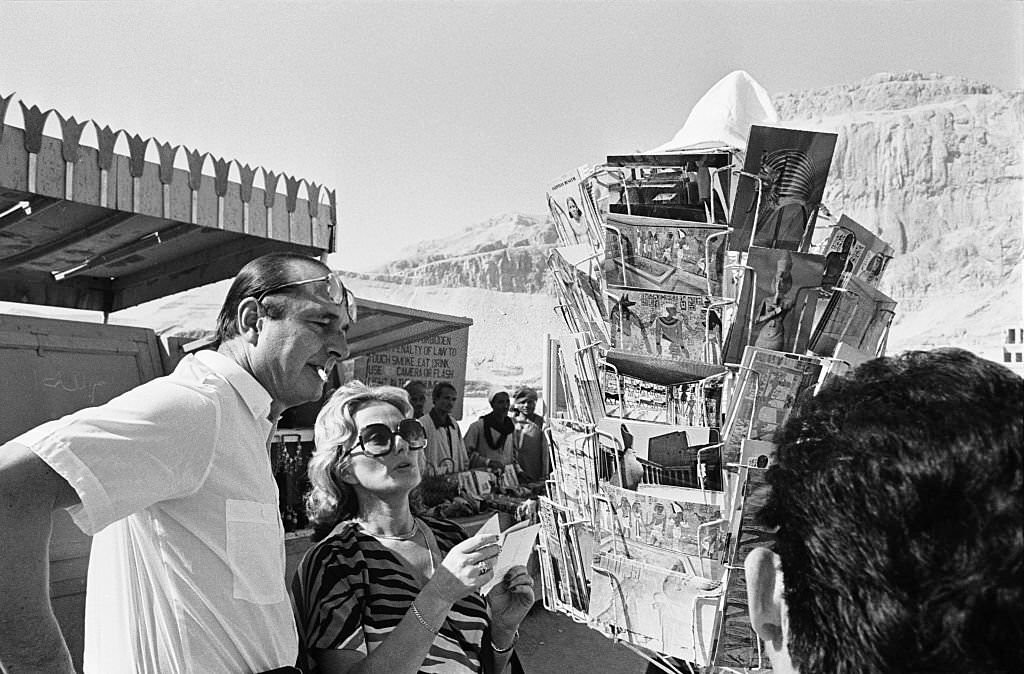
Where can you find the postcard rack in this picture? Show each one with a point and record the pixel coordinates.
(702, 306)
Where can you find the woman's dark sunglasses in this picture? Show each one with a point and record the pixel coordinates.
(379, 439)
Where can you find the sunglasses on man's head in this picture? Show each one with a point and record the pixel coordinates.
(336, 290)
(379, 439)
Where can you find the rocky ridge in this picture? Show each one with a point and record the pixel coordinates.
(506, 253)
(935, 166)
(932, 163)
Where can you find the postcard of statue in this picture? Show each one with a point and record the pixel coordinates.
(780, 189)
(777, 302)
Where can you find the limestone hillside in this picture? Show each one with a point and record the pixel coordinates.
(932, 163)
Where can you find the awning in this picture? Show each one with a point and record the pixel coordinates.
(89, 228)
(192, 317)
(384, 326)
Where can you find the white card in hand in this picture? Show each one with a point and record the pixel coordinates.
(516, 548)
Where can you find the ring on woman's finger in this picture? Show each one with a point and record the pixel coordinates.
(483, 568)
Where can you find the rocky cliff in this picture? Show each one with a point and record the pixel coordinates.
(932, 163)
(506, 253)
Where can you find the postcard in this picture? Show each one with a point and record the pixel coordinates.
(776, 306)
(576, 389)
(845, 359)
(857, 315)
(767, 387)
(698, 404)
(675, 186)
(679, 327)
(663, 609)
(665, 255)
(516, 549)
(562, 558)
(581, 297)
(780, 189)
(631, 398)
(852, 249)
(635, 517)
(573, 457)
(572, 207)
(737, 644)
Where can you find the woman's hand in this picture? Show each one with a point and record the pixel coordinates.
(511, 600)
(466, 567)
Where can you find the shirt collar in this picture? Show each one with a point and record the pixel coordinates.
(440, 419)
(251, 391)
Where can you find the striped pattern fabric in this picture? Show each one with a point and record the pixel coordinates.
(351, 591)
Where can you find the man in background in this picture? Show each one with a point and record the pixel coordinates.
(173, 481)
(897, 496)
(445, 452)
(417, 391)
(490, 440)
(530, 439)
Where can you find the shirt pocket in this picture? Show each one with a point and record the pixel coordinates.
(254, 551)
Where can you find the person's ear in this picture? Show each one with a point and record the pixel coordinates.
(764, 595)
(344, 473)
(247, 317)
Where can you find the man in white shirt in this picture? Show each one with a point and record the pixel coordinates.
(173, 479)
(445, 452)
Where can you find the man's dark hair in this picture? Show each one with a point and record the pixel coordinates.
(439, 388)
(261, 274)
(897, 494)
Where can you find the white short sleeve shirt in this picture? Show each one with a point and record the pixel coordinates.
(187, 566)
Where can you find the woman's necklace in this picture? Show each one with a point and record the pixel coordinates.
(407, 536)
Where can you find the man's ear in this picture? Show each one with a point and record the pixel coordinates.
(764, 595)
(247, 317)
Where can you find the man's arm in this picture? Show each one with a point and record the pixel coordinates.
(30, 639)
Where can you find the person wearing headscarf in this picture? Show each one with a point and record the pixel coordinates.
(490, 440)
(530, 437)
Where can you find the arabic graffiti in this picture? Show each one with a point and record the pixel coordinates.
(75, 383)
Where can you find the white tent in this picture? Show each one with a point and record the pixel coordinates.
(723, 116)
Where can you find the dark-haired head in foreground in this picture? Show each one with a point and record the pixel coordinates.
(897, 497)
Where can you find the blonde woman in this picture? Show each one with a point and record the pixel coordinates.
(385, 591)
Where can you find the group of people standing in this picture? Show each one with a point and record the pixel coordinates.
(491, 442)
(895, 500)
(174, 482)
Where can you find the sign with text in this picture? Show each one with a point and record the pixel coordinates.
(439, 358)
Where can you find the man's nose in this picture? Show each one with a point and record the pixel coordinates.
(337, 344)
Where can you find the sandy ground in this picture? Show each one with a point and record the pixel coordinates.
(550, 643)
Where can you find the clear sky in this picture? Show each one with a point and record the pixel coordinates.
(428, 117)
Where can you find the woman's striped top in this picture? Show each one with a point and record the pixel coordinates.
(351, 591)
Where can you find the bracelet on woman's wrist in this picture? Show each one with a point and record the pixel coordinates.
(515, 640)
(426, 625)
